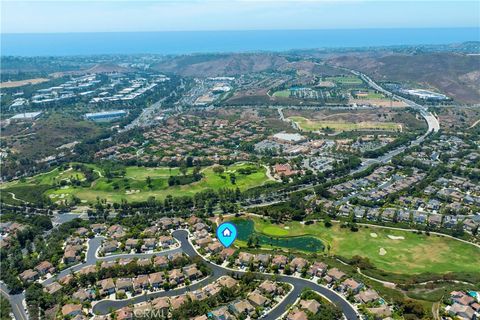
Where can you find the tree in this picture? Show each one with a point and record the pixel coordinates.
(233, 178)
(327, 222)
(149, 182)
(183, 169)
(250, 241)
(475, 231)
(218, 169)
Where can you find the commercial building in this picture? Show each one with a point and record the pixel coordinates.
(106, 115)
(26, 116)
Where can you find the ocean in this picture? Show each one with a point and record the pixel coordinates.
(183, 42)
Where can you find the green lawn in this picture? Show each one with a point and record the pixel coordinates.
(413, 254)
(315, 125)
(133, 186)
(373, 95)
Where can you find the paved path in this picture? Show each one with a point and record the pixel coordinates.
(474, 124)
(105, 306)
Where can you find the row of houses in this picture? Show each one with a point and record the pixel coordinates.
(42, 269)
(160, 262)
(464, 306)
(140, 245)
(318, 271)
(239, 307)
(153, 281)
(409, 216)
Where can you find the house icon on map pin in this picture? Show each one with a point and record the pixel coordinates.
(227, 232)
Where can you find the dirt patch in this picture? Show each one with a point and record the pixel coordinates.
(20, 83)
(379, 102)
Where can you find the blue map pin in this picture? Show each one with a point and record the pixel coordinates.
(226, 233)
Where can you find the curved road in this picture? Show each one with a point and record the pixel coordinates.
(105, 306)
(91, 258)
(16, 302)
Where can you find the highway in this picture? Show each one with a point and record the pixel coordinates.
(433, 124)
(105, 306)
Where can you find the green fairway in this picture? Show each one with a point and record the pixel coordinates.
(133, 186)
(275, 231)
(141, 173)
(408, 253)
(315, 125)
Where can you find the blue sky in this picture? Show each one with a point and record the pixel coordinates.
(122, 15)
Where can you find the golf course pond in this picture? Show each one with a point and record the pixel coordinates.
(246, 228)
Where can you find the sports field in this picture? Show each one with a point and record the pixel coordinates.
(390, 250)
(370, 95)
(315, 125)
(348, 80)
(133, 186)
(282, 94)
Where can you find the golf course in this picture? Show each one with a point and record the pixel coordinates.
(137, 184)
(394, 251)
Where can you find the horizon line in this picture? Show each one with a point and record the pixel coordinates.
(244, 30)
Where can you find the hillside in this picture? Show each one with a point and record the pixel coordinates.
(221, 65)
(456, 75)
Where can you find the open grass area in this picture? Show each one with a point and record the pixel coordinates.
(133, 186)
(315, 125)
(282, 93)
(348, 80)
(410, 253)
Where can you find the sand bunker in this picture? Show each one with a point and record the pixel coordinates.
(396, 237)
(373, 235)
(132, 191)
(382, 252)
(286, 228)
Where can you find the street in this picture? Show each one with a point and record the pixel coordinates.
(105, 306)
